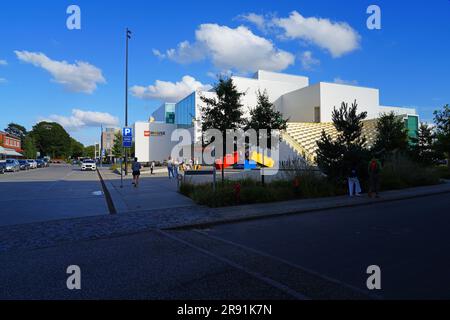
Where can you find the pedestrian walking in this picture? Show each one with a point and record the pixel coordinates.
(170, 167)
(354, 186)
(374, 177)
(136, 168)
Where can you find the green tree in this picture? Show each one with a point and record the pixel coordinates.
(442, 121)
(17, 130)
(336, 157)
(89, 152)
(392, 135)
(29, 147)
(223, 112)
(77, 148)
(265, 117)
(51, 139)
(422, 149)
(117, 149)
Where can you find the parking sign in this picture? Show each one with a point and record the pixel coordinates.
(127, 134)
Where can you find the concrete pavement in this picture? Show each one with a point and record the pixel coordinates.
(57, 192)
(321, 255)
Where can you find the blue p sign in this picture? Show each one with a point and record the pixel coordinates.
(127, 137)
(127, 132)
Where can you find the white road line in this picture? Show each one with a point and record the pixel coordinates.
(256, 275)
(267, 255)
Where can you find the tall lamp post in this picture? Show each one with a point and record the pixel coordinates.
(127, 36)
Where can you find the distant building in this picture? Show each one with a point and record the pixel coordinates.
(107, 141)
(10, 146)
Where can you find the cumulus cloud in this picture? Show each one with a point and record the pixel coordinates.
(158, 54)
(81, 119)
(232, 49)
(339, 38)
(3, 62)
(78, 77)
(338, 80)
(169, 91)
(308, 61)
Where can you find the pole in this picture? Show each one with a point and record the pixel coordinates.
(101, 146)
(127, 36)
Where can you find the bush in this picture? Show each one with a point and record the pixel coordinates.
(443, 172)
(310, 185)
(400, 173)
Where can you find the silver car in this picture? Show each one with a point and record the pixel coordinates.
(12, 165)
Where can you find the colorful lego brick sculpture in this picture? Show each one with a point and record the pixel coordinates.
(262, 160)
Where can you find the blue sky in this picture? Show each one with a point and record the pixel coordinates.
(76, 77)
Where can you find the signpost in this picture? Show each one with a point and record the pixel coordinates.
(127, 143)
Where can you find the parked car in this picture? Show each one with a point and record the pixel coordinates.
(40, 163)
(24, 165)
(32, 163)
(88, 165)
(12, 165)
(2, 167)
(46, 162)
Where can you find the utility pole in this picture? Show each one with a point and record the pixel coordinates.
(128, 36)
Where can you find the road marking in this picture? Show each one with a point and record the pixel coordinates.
(260, 277)
(267, 255)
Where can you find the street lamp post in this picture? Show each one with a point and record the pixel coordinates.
(127, 36)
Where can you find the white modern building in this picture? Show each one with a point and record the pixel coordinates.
(308, 107)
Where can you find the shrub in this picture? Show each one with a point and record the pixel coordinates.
(400, 172)
(310, 185)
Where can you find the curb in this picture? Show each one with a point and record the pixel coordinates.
(108, 198)
(116, 200)
(207, 224)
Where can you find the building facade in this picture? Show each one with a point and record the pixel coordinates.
(165, 113)
(303, 104)
(107, 141)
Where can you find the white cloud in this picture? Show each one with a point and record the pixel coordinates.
(308, 61)
(338, 80)
(158, 54)
(3, 80)
(79, 77)
(3, 62)
(257, 19)
(169, 91)
(339, 38)
(81, 119)
(232, 49)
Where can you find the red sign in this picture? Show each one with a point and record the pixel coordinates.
(146, 133)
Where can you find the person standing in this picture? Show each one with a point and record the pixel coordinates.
(152, 167)
(374, 177)
(136, 167)
(176, 164)
(170, 167)
(354, 186)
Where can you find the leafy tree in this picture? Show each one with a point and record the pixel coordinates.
(17, 130)
(392, 135)
(51, 139)
(117, 149)
(442, 121)
(77, 148)
(336, 157)
(264, 116)
(29, 148)
(223, 112)
(422, 149)
(89, 152)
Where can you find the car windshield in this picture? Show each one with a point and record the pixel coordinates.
(89, 161)
(9, 161)
(30, 160)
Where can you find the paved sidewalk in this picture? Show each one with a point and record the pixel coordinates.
(157, 192)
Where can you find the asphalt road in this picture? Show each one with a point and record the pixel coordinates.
(57, 192)
(321, 255)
